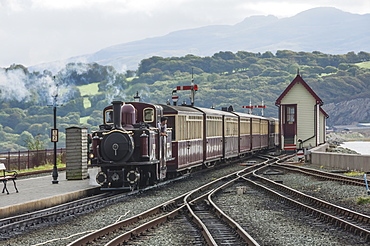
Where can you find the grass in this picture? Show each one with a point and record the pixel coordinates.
(364, 64)
(363, 200)
(83, 120)
(352, 173)
(89, 90)
(131, 78)
(87, 103)
(43, 167)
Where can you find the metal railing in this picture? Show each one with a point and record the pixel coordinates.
(20, 160)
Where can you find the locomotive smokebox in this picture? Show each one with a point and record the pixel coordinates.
(117, 116)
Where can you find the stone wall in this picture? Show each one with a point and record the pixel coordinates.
(76, 153)
(318, 156)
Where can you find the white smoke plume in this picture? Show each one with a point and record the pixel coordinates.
(115, 90)
(41, 88)
(13, 85)
(20, 85)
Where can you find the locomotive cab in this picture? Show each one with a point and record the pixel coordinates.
(128, 147)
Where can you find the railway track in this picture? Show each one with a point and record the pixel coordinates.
(346, 219)
(323, 175)
(215, 226)
(22, 223)
(15, 226)
(168, 211)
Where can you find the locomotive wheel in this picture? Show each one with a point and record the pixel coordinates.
(153, 179)
(147, 177)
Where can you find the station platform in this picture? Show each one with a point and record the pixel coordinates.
(39, 192)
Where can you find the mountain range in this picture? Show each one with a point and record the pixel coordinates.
(325, 29)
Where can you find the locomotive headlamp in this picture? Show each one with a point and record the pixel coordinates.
(91, 156)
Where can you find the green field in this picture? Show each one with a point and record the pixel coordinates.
(131, 78)
(364, 64)
(89, 90)
(87, 103)
(83, 120)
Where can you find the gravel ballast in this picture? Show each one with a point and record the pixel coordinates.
(269, 221)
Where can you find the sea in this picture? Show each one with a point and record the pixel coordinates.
(362, 147)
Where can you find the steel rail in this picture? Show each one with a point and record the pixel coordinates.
(162, 208)
(20, 223)
(176, 202)
(186, 205)
(219, 213)
(358, 217)
(189, 201)
(324, 175)
(227, 219)
(24, 221)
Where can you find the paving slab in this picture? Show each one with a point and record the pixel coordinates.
(39, 192)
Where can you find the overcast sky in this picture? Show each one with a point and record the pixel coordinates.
(37, 31)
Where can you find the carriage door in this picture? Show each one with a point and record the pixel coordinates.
(162, 156)
(289, 123)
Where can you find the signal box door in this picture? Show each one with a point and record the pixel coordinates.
(290, 121)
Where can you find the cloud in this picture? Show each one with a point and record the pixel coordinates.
(37, 31)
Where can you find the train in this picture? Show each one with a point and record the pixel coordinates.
(133, 149)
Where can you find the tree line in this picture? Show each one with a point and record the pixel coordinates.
(226, 61)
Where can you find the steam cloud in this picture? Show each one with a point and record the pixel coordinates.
(20, 85)
(13, 85)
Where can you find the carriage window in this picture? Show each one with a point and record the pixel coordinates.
(290, 115)
(148, 115)
(109, 117)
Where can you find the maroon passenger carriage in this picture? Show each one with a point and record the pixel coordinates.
(222, 131)
(204, 136)
(200, 136)
(187, 138)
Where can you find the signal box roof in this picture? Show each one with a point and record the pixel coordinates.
(298, 79)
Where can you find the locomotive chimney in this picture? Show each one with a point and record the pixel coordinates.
(117, 115)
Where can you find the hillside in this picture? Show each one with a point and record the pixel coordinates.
(224, 79)
(324, 29)
(344, 112)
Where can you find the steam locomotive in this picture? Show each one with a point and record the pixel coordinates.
(131, 152)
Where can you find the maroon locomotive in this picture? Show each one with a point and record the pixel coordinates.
(132, 153)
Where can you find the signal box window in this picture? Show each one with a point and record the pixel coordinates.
(290, 115)
(148, 115)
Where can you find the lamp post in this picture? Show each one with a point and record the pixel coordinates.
(54, 137)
